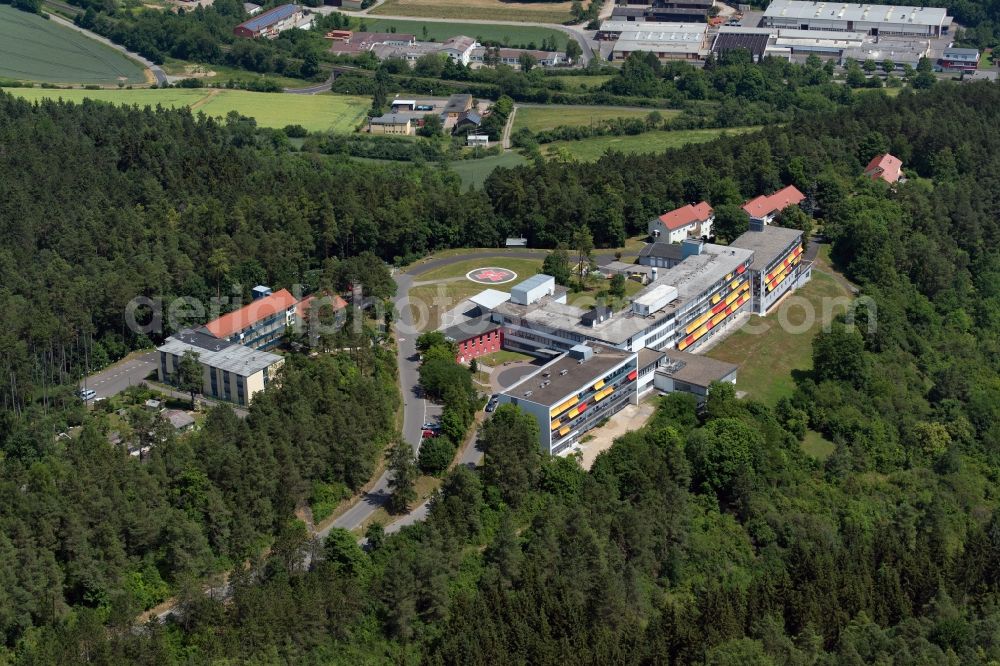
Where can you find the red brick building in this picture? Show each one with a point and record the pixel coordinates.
(475, 338)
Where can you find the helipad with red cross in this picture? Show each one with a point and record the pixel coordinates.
(491, 275)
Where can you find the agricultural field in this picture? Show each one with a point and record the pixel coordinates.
(474, 172)
(339, 113)
(769, 349)
(589, 150)
(582, 82)
(487, 10)
(538, 118)
(510, 35)
(40, 50)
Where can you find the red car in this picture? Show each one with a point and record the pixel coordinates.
(427, 434)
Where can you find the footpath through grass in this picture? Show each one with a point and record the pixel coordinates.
(590, 150)
(486, 10)
(35, 49)
(338, 113)
(538, 118)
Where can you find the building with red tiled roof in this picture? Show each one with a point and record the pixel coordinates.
(684, 222)
(885, 167)
(765, 207)
(259, 324)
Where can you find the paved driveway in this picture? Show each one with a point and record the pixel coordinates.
(112, 381)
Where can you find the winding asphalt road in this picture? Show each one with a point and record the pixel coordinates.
(416, 410)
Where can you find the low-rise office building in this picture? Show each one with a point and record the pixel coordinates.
(231, 371)
(391, 123)
(575, 391)
(959, 60)
(777, 266)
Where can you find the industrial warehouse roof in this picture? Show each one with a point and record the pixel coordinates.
(686, 215)
(650, 26)
(270, 17)
(694, 368)
(577, 375)
(679, 38)
(251, 313)
(754, 42)
(767, 245)
(235, 358)
(766, 204)
(841, 11)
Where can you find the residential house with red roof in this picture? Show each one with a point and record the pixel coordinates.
(259, 324)
(685, 222)
(885, 167)
(765, 207)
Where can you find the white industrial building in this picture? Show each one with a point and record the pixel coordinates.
(875, 20)
(671, 41)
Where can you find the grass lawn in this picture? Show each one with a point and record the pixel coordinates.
(487, 10)
(817, 446)
(35, 49)
(509, 35)
(340, 113)
(474, 172)
(449, 287)
(585, 81)
(538, 118)
(589, 150)
(220, 74)
(499, 358)
(768, 349)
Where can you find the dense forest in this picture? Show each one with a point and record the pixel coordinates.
(704, 538)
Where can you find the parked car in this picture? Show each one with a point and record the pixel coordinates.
(427, 434)
(431, 426)
(86, 394)
(492, 404)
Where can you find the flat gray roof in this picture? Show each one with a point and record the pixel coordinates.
(842, 11)
(767, 245)
(578, 375)
(694, 368)
(662, 250)
(648, 357)
(235, 358)
(691, 277)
